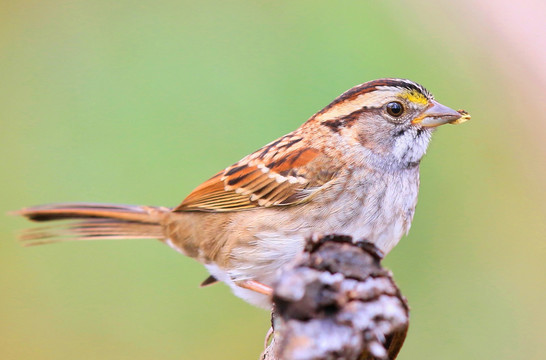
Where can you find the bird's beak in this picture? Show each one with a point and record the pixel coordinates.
(438, 114)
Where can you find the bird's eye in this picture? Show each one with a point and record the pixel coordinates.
(395, 109)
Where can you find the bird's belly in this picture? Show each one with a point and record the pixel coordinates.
(261, 261)
(279, 236)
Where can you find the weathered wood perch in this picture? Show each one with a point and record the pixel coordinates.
(337, 302)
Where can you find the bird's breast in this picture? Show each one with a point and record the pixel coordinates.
(378, 207)
(370, 206)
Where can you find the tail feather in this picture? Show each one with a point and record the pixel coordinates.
(87, 221)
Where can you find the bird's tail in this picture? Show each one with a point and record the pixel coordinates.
(87, 221)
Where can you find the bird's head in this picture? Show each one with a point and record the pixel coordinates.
(392, 119)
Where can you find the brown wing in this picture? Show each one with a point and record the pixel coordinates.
(284, 172)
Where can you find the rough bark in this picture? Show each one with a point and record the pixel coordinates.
(337, 302)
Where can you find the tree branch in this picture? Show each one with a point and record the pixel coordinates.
(337, 302)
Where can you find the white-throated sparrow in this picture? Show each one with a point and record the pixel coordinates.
(352, 168)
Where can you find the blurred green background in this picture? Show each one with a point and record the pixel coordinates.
(140, 101)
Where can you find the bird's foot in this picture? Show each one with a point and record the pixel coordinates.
(256, 286)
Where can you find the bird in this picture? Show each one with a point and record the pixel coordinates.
(352, 168)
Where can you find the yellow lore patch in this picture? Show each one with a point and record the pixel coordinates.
(415, 97)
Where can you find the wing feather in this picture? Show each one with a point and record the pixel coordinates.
(284, 172)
